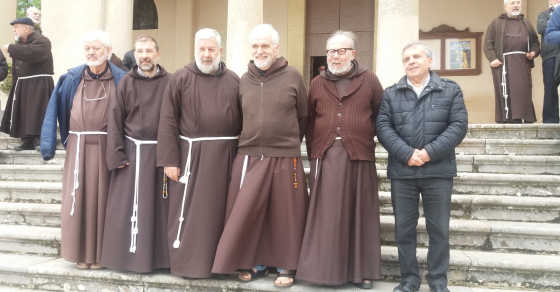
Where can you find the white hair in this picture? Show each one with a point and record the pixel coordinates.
(429, 52)
(348, 34)
(506, 2)
(264, 29)
(208, 33)
(100, 35)
(31, 8)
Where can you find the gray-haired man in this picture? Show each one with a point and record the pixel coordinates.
(422, 161)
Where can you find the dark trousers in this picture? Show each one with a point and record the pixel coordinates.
(436, 201)
(31, 140)
(550, 102)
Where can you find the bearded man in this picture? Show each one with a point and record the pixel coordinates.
(138, 244)
(80, 102)
(510, 46)
(197, 142)
(35, 14)
(267, 198)
(32, 72)
(343, 217)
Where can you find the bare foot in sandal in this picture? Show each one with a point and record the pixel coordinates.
(285, 279)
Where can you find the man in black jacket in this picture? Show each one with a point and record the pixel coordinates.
(421, 120)
(3, 67)
(550, 54)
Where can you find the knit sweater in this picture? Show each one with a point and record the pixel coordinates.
(351, 117)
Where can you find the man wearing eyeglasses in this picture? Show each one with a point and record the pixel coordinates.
(343, 217)
(80, 103)
(422, 118)
(33, 84)
(135, 233)
(510, 46)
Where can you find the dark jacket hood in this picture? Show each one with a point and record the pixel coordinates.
(134, 73)
(193, 68)
(356, 70)
(505, 16)
(277, 65)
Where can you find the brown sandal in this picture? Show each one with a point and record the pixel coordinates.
(97, 267)
(82, 266)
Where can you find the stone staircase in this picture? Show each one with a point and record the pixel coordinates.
(505, 230)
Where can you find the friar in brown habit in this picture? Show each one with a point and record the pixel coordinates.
(32, 84)
(135, 233)
(80, 102)
(197, 142)
(267, 199)
(342, 237)
(511, 45)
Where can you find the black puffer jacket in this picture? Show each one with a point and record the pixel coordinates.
(437, 121)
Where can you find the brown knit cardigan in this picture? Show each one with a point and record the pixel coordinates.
(352, 117)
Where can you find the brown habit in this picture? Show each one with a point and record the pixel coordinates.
(135, 113)
(82, 232)
(31, 58)
(343, 216)
(265, 216)
(198, 105)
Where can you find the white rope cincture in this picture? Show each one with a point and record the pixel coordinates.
(245, 161)
(15, 92)
(134, 218)
(316, 167)
(77, 164)
(185, 178)
(504, 81)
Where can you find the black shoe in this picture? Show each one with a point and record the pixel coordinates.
(24, 146)
(364, 285)
(405, 287)
(439, 288)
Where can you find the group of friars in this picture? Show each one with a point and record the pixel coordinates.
(200, 171)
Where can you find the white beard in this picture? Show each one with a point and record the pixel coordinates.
(17, 38)
(208, 69)
(342, 70)
(262, 64)
(99, 61)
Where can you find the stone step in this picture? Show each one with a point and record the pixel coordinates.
(30, 157)
(480, 271)
(23, 172)
(30, 192)
(496, 184)
(30, 214)
(8, 143)
(17, 289)
(497, 208)
(34, 240)
(513, 131)
(499, 236)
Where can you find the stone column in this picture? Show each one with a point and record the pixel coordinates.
(296, 34)
(243, 16)
(397, 25)
(7, 15)
(117, 22)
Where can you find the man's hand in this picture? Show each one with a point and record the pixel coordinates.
(423, 154)
(6, 46)
(496, 63)
(124, 165)
(172, 173)
(414, 159)
(530, 55)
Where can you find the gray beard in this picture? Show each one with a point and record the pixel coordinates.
(208, 69)
(342, 71)
(17, 38)
(99, 61)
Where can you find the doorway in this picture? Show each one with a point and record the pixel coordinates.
(316, 63)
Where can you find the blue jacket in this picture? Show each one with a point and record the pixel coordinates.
(437, 122)
(60, 106)
(552, 34)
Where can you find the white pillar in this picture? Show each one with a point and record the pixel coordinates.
(7, 15)
(243, 16)
(397, 25)
(117, 23)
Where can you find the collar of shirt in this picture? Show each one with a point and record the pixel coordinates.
(141, 73)
(418, 90)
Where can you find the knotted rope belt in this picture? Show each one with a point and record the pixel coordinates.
(77, 164)
(15, 92)
(504, 80)
(134, 218)
(185, 178)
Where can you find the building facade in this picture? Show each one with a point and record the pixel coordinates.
(383, 28)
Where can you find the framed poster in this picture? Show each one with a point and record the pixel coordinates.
(456, 53)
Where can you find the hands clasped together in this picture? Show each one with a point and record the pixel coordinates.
(418, 158)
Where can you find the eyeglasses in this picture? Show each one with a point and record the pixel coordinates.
(97, 98)
(340, 51)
